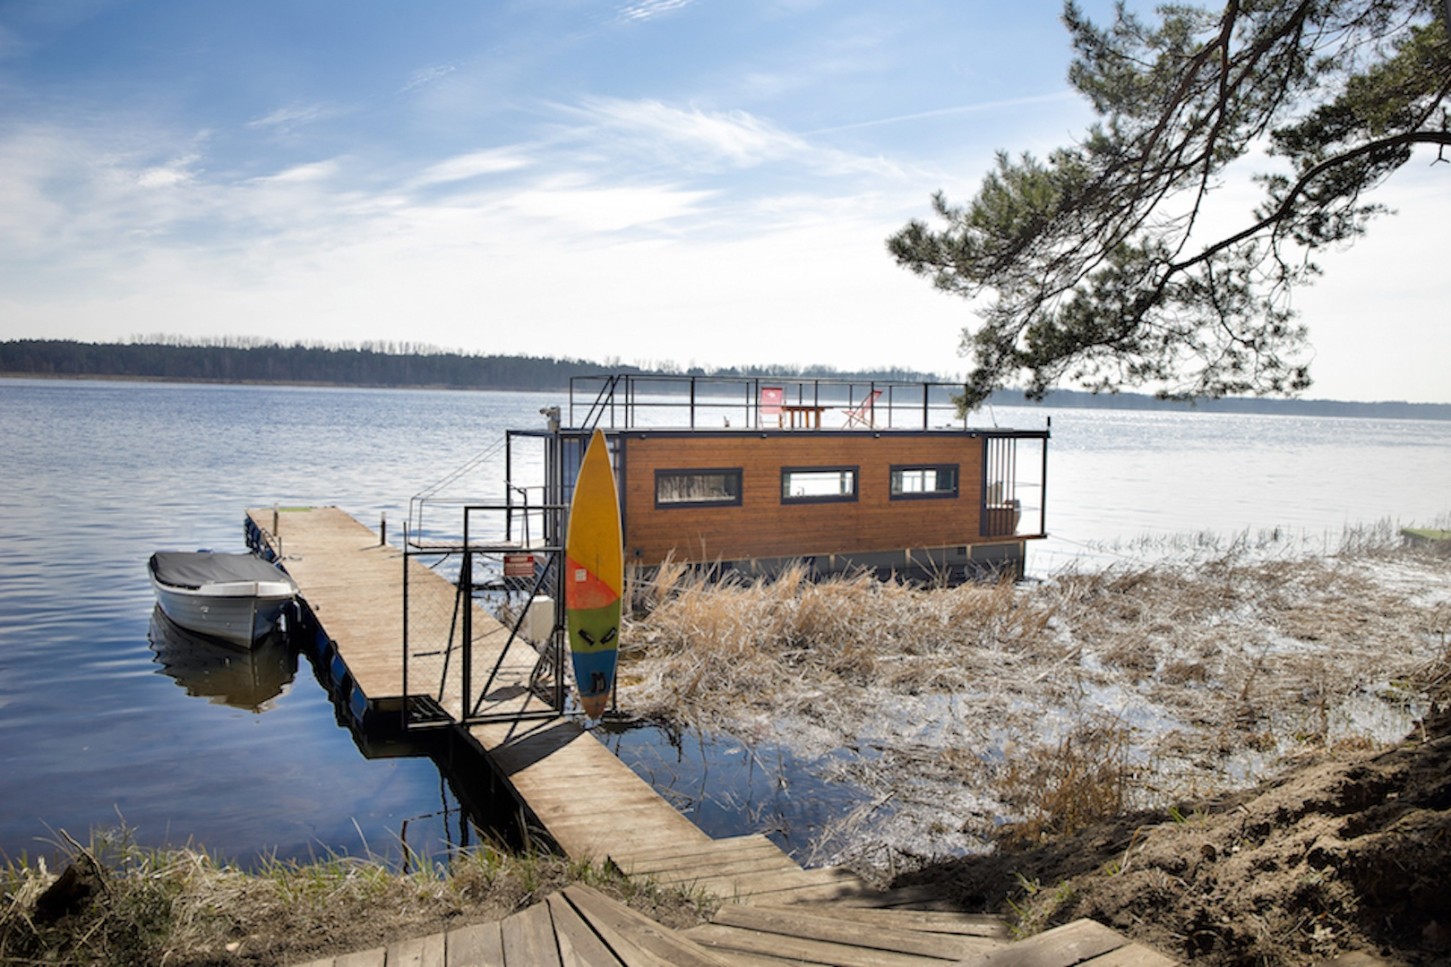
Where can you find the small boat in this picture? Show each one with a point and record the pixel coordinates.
(237, 598)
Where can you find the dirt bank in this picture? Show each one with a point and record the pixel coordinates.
(1345, 851)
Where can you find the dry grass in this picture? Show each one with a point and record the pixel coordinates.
(706, 650)
(181, 906)
(1060, 790)
(1218, 669)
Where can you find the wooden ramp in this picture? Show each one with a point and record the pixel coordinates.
(581, 926)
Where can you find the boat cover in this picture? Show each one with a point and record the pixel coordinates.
(193, 569)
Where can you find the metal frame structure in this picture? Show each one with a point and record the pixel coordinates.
(475, 684)
(515, 533)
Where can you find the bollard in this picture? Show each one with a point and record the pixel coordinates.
(383, 530)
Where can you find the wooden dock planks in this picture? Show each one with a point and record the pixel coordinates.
(588, 801)
(581, 926)
(572, 786)
(351, 582)
(354, 587)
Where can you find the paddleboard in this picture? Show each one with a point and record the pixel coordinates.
(594, 562)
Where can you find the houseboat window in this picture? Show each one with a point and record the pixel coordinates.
(696, 488)
(816, 484)
(939, 480)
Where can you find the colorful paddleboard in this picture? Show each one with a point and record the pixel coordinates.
(594, 563)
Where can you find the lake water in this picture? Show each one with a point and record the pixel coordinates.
(96, 729)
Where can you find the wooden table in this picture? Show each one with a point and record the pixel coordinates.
(808, 414)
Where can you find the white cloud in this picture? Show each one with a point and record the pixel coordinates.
(426, 76)
(650, 9)
(168, 175)
(302, 174)
(292, 117)
(473, 165)
(984, 107)
(736, 138)
(605, 208)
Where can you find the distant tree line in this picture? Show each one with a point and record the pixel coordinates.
(242, 359)
(233, 360)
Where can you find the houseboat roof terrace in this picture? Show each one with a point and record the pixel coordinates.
(625, 401)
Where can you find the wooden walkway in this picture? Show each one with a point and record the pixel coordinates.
(581, 926)
(570, 786)
(574, 790)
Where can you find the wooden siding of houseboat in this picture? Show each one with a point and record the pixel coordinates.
(762, 526)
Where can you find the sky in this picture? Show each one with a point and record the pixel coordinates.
(691, 182)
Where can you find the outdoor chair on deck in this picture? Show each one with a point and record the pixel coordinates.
(769, 405)
(864, 413)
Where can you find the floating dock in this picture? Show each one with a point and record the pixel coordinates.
(568, 784)
(570, 787)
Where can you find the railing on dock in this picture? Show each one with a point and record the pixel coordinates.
(508, 553)
(478, 669)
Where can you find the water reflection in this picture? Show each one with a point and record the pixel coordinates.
(220, 673)
(729, 787)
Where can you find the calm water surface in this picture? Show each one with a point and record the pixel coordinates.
(99, 717)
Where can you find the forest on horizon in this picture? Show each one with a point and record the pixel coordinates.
(416, 366)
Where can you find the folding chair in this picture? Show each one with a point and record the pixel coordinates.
(770, 404)
(864, 413)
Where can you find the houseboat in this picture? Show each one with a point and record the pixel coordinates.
(742, 475)
(754, 474)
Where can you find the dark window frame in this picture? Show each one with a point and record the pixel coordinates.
(856, 485)
(737, 472)
(953, 494)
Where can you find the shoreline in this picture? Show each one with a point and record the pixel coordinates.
(1342, 803)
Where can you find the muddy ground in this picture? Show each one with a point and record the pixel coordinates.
(1207, 752)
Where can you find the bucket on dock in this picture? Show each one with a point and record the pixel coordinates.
(538, 622)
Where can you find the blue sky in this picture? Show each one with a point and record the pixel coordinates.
(694, 181)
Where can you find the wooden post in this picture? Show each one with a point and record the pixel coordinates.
(383, 530)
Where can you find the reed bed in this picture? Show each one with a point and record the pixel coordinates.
(983, 708)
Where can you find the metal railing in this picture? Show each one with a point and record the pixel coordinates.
(442, 663)
(627, 401)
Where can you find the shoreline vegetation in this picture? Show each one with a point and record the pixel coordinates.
(246, 361)
(116, 902)
(1240, 753)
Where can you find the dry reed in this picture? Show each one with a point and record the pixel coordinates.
(1060, 790)
(1217, 667)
